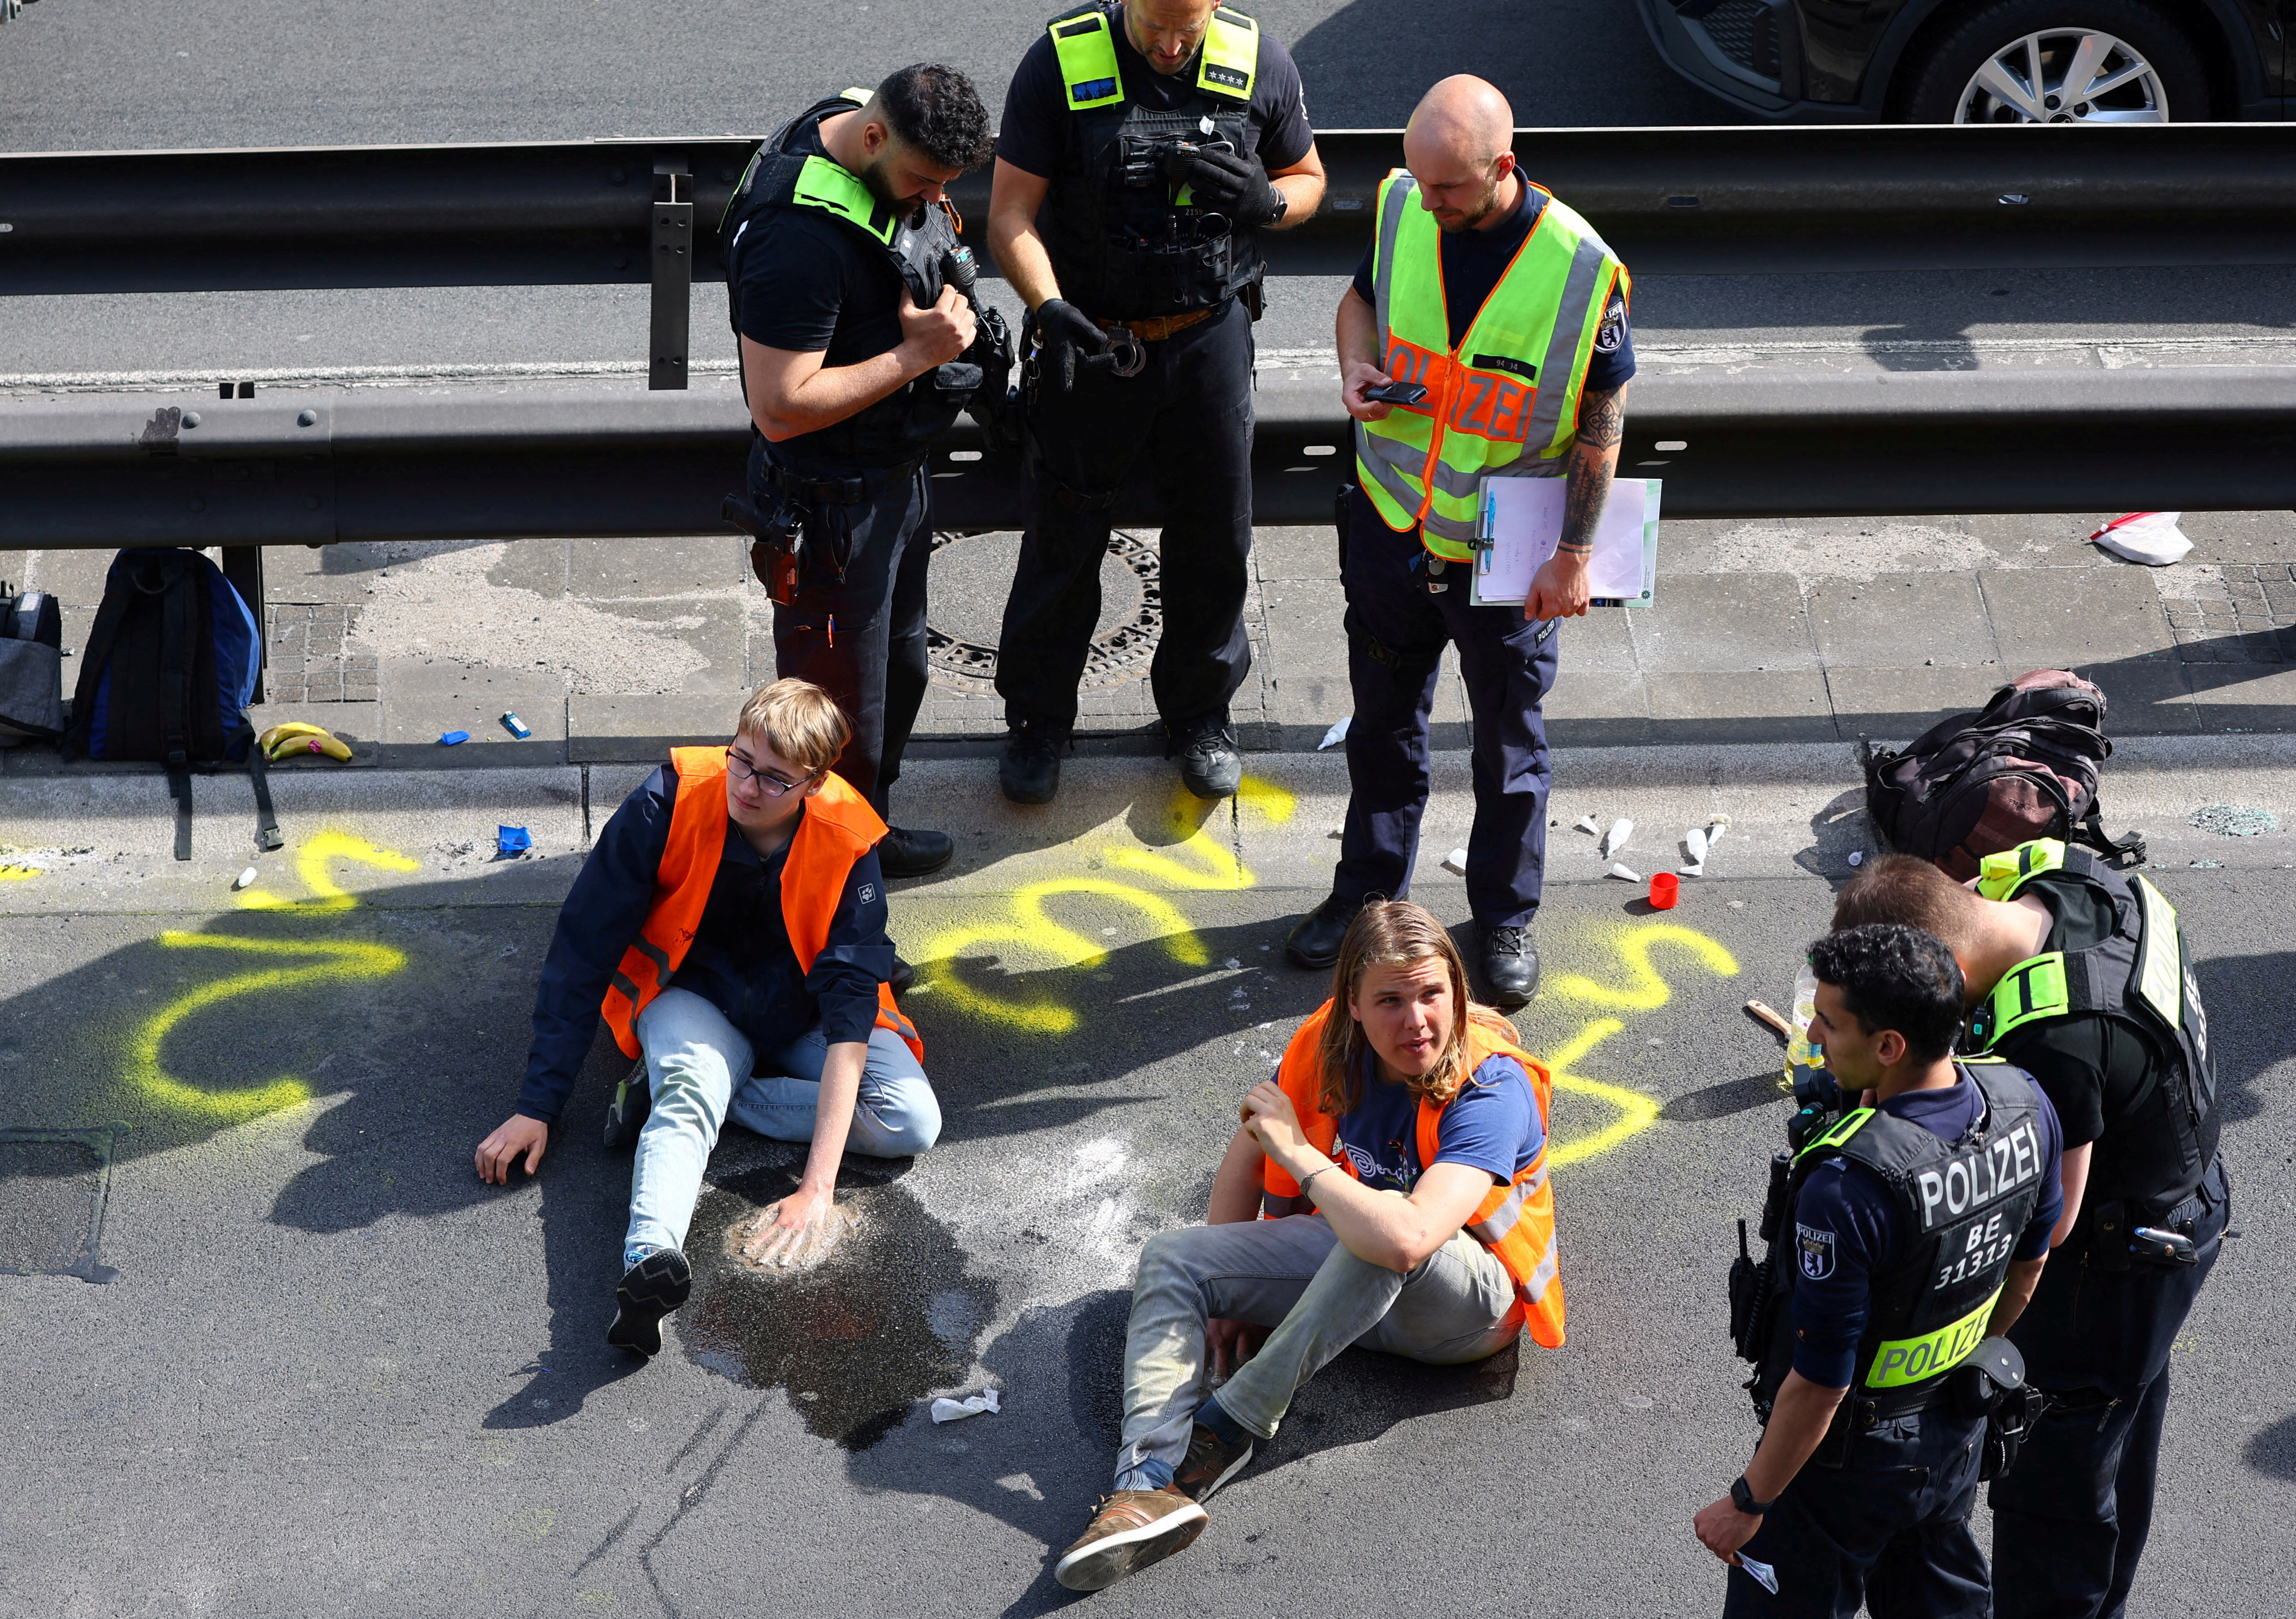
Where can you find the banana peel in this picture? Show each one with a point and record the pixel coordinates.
(295, 738)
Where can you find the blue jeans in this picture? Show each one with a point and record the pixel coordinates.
(699, 1068)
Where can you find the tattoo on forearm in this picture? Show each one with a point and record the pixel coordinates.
(1602, 418)
(1589, 488)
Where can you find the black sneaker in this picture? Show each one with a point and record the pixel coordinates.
(906, 852)
(903, 975)
(1209, 765)
(1030, 771)
(1211, 1461)
(1510, 966)
(1314, 941)
(651, 1289)
(626, 1115)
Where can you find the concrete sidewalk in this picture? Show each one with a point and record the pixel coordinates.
(1809, 630)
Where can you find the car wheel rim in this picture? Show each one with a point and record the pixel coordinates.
(2064, 76)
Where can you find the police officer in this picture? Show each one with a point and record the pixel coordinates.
(2082, 977)
(1145, 145)
(1912, 1229)
(1510, 315)
(835, 243)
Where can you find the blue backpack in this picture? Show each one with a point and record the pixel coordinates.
(167, 676)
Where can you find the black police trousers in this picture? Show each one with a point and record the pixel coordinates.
(2071, 1519)
(1188, 416)
(1396, 635)
(857, 628)
(1889, 1528)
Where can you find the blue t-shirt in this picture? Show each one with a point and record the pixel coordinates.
(1846, 1230)
(1473, 263)
(1491, 1125)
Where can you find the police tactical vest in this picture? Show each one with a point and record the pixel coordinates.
(780, 175)
(1125, 243)
(1962, 1205)
(2142, 976)
(1503, 402)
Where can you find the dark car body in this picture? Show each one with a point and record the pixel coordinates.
(1844, 61)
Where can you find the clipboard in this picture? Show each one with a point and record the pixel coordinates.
(1521, 523)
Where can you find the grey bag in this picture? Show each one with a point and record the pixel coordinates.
(32, 668)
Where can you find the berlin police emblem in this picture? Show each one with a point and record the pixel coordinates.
(1612, 331)
(1815, 1249)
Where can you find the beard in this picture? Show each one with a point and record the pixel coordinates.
(1470, 218)
(879, 178)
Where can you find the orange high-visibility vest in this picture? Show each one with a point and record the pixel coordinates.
(837, 829)
(1516, 1221)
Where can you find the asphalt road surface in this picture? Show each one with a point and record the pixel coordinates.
(335, 1373)
(78, 75)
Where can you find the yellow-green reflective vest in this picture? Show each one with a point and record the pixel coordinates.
(1505, 400)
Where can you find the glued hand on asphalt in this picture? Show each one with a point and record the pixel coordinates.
(795, 1233)
(1072, 341)
(518, 1134)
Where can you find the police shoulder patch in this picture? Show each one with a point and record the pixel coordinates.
(1613, 329)
(1814, 1249)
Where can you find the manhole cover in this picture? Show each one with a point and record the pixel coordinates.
(53, 1187)
(972, 574)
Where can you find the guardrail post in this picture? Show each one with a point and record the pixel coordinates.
(243, 565)
(673, 274)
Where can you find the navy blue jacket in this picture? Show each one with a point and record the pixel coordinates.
(741, 960)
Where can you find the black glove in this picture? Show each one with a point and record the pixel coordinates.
(1238, 187)
(1070, 341)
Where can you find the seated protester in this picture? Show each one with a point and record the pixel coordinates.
(730, 923)
(1388, 1189)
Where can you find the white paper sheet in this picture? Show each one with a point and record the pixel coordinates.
(1524, 518)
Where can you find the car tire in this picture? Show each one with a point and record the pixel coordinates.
(1942, 80)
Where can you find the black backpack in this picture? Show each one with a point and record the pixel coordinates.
(167, 676)
(32, 668)
(2024, 768)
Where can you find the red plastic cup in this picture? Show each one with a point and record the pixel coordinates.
(1664, 886)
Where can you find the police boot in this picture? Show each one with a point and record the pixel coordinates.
(1509, 965)
(1209, 765)
(905, 852)
(1030, 771)
(1314, 941)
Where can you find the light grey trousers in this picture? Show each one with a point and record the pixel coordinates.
(1295, 1276)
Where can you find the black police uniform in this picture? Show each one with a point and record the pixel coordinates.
(2069, 1523)
(1398, 627)
(1125, 250)
(814, 265)
(1894, 1233)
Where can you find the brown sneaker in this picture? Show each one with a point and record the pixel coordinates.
(1132, 1529)
(1211, 1461)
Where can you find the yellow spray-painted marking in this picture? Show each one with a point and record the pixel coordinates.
(1037, 933)
(345, 961)
(311, 863)
(1028, 926)
(18, 874)
(1645, 990)
(1216, 866)
(342, 961)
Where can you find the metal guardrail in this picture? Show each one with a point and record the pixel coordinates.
(1672, 202)
(309, 467)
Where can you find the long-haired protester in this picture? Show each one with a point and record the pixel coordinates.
(1388, 1188)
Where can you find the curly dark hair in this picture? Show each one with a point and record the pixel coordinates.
(1892, 977)
(934, 108)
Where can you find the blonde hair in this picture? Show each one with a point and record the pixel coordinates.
(1903, 889)
(800, 721)
(1393, 933)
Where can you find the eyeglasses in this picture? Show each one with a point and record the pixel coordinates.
(771, 784)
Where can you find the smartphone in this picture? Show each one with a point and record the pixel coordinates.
(1397, 393)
